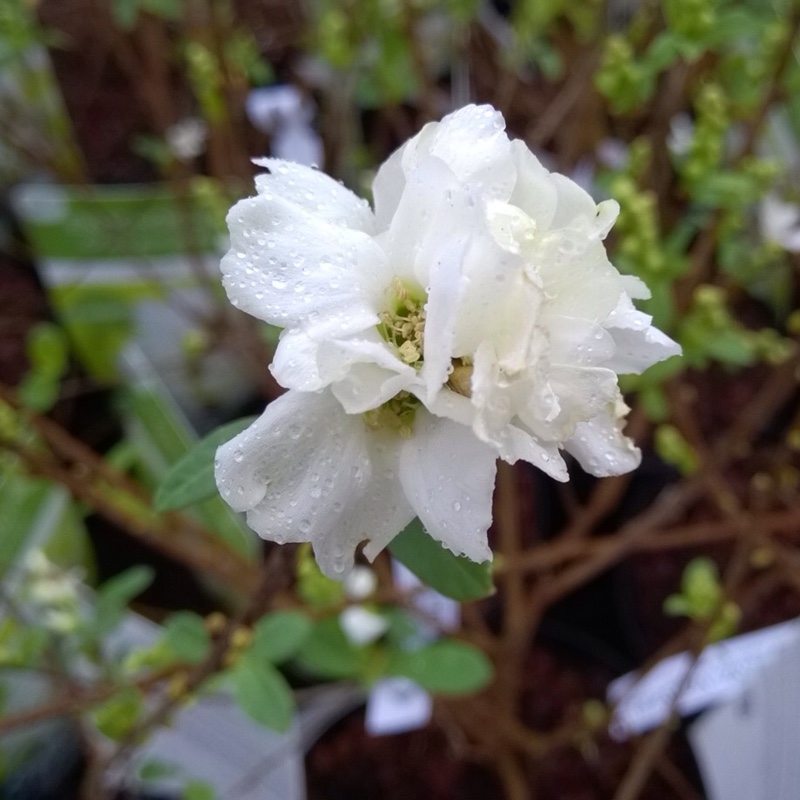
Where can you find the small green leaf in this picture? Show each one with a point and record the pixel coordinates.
(278, 636)
(48, 353)
(168, 9)
(187, 635)
(262, 693)
(154, 769)
(327, 652)
(445, 667)
(125, 13)
(191, 478)
(114, 595)
(453, 576)
(118, 716)
(198, 790)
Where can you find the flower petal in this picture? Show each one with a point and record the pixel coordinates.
(365, 372)
(601, 447)
(638, 344)
(307, 472)
(535, 192)
(473, 143)
(448, 476)
(387, 188)
(315, 192)
(288, 267)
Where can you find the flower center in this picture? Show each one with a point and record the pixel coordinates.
(460, 379)
(403, 323)
(395, 415)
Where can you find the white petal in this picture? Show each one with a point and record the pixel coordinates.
(573, 203)
(445, 289)
(471, 141)
(579, 342)
(306, 471)
(635, 287)
(369, 385)
(576, 275)
(448, 476)
(387, 188)
(515, 444)
(360, 584)
(316, 192)
(362, 626)
(600, 446)
(288, 267)
(364, 369)
(518, 444)
(535, 191)
(637, 343)
(417, 218)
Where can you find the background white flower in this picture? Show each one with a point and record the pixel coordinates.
(476, 309)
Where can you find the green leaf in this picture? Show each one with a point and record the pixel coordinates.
(278, 636)
(114, 595)
(118, 716)
(327, 652)
(155, 769)
(125, 13)
(168, 9)
(262, 693)
(187, 635)
(446, 667)
(191, 478)
(453, 576)
(198, 790)
(48, 353)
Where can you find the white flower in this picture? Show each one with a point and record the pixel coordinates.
(475, 308)
(360, 584)
(780, 222)
(362, 626)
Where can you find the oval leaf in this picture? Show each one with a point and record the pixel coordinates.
(277, 637)
(188, 637)
(112, 598)
(191, 478)
(453, 576)
(262, 693)
(327, 652)
(446, 667)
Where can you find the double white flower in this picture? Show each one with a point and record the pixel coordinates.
(473, 315)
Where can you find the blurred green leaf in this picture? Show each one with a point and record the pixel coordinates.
(453, 576)
(445, 667)
(154, 769)
(125, 13)
(117, 717)
(191, 478)
(168, 9)
(327, 652)
(187, 635)
(262, 692)
(278, 636)
(48, 353)
(198, 790)
(115, 594)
